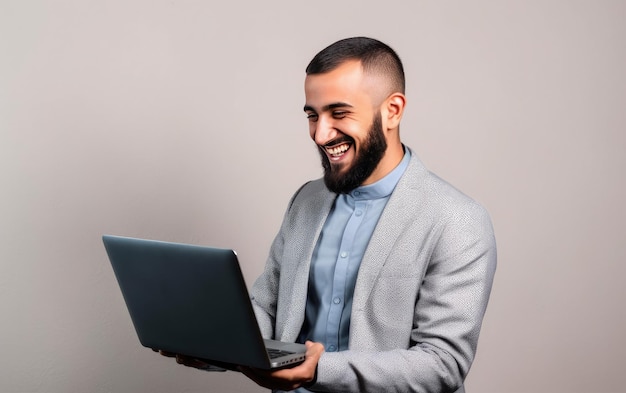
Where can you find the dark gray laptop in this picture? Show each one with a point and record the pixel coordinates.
(192, 300)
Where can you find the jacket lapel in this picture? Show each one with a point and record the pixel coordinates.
(395, 218)
(317, 209)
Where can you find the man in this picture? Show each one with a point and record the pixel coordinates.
(382, 268)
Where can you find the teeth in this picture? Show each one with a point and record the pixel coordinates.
(338, 150)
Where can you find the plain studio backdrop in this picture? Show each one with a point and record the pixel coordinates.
(182, 121)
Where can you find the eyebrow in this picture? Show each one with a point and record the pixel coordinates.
(328, 107)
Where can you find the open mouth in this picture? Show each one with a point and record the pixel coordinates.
(337, 150)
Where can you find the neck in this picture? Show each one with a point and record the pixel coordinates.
(391, 159)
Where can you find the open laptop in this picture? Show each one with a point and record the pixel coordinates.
(192, 300)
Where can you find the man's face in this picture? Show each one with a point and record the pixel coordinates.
(343, 178)
(345, 126)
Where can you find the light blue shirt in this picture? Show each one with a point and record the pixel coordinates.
(337, 257)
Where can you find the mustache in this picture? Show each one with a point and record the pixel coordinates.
(337, 141)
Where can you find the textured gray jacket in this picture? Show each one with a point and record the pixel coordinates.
(420, 296)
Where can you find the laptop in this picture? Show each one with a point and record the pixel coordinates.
(192, 300)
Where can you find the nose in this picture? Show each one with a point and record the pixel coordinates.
(322, 131)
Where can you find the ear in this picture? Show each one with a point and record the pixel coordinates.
(393, 108)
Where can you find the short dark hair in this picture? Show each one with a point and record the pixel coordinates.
(375, 57)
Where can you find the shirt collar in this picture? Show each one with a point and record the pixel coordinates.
(383, 187)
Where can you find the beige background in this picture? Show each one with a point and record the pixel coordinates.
(182, 121)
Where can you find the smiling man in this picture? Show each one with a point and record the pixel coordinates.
(383, 269)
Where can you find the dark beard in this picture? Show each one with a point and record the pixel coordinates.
(365, 162)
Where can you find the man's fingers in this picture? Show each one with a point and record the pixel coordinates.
(314, 350)
(267, 380)
(288, 378)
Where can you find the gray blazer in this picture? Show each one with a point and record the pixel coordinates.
(420, 296)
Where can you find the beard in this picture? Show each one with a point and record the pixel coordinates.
(367, 159)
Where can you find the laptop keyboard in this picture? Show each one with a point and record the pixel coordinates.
(275, 353)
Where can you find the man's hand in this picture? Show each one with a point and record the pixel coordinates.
(288, 378)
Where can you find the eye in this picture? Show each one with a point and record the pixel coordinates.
(339, 114)
(312, 116)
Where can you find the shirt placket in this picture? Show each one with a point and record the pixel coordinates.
(340, 277)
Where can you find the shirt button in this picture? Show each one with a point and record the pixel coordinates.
(332, 348)
(358, 213)
(357, 193)
(337, 300)
(343, 254)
